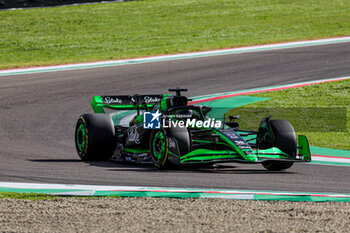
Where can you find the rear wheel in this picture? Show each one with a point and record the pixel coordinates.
(284, 139)
(95, 137)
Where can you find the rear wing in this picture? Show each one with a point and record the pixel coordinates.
(124, 102)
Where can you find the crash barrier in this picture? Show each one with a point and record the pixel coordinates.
(8, 4)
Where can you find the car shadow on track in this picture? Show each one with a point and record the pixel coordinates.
(219, 169)
(207, 171)
(55, 160)
(106, 164)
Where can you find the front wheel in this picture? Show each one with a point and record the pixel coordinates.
(284, 139)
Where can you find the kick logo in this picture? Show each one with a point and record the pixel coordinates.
(151, 120)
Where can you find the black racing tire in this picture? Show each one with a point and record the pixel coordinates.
(95, 137)
(183, 138)
(159, 145)
(284, 139)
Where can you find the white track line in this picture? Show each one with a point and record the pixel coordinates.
(239, 50)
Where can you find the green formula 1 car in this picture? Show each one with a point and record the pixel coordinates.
(167, 131)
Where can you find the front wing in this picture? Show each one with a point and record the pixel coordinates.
(202, 156)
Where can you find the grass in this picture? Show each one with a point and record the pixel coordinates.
(33, 37)
(40, 196)
(319, 111)
(26, 196)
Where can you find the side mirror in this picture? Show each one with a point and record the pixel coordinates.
(234, 117)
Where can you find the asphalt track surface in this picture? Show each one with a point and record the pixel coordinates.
(39, 111)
